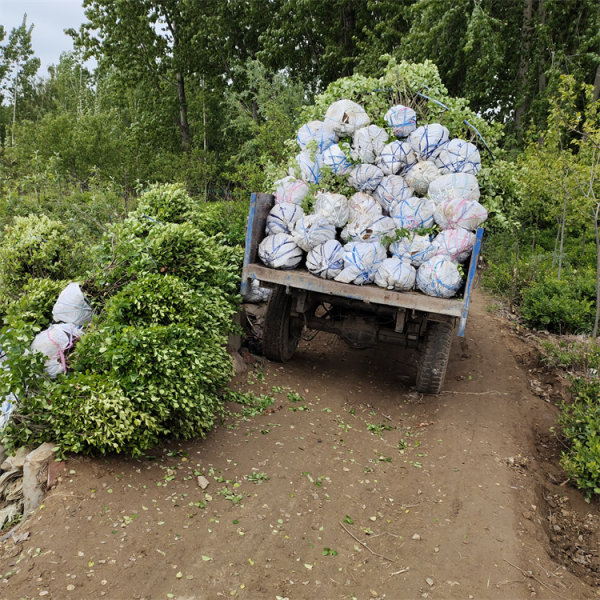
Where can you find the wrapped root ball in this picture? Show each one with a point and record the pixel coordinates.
(439, 277)
(458, 156)
(413, 213)
(316, 131)
(401, 119)
(279, 251)
(336, 160)
(368, 142)
(420, 175)
(369, 229)
(396, 157)
(326, 260)
(461, 186)
(310, 168)
(393, 188)
(333, 207)
(311, 231)
(290, 189)
(345, 117)
(361, 204)
(415, 248)
(427, 140)
(396, 274)
(361, 261)
(365, 178)
(466, 214)
(282, 217)
(455, 243)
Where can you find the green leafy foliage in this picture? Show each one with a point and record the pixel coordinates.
(580, 422)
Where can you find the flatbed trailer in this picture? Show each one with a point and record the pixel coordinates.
(361, 315)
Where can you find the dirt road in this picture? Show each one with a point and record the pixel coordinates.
(350, 486)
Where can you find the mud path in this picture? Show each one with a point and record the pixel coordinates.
(350, 486)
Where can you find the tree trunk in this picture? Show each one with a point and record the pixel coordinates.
(14, 112)
(597, 84)
(184, 126)
(526, 31)
(597, 316)
(562, 237)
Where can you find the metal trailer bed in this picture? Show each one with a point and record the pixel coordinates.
(361, 315)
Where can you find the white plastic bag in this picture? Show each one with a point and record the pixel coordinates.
(361, 261)
(427, 140)
(311, 231)
(402, 120)
(310, 167)
(6, 409)
(420, 175)
(368, 142)
(334, 207)
(461, 186)
(460, 213)
(326, 260)
(71, 307)
(365, 178)
(458, 156)
(280, 251)
(318, 132)
(335, 158)
(413, 213)
(281, 218)
(345, 116)
(415, 248)
(396, 274)
(392, 188)
(369, 229)
(455, 243)
(361, 204)
(53, 342)
(439, 277)
(290, 189)
(257, 294)
(396, 158)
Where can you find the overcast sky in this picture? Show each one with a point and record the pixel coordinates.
(50, 18)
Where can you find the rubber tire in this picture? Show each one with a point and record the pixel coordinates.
(434, 359)
(281, 333)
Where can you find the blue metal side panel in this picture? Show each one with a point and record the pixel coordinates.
(469, 285)
(249, 227)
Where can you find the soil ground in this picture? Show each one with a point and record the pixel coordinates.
(351, 485)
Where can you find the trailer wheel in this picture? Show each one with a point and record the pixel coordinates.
(434, 360)
(282, 332)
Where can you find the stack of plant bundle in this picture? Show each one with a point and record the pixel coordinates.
(396, 205)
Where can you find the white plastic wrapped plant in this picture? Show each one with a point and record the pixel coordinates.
(396, 158)
(368, 142)
(312, 230)
(326, 260)
(439, 277)
(361, 261)
(458, 156)
(291, 189)
(427, 140)
(334, 207)
(413, 213)
(396, 274)
(401, 119)
(466, 214)
(317, 132)
(280, 251)
(391, 189)
(345, 117)
(282, 217)
(421, 175)
(454, 186)
(365, 178)
(415, 248)
(335, 158)
(456, 243)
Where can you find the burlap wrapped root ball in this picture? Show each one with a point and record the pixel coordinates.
(461, 186)
(420, 175)
(439, 277)
(413, 213)
(465, 214)
(316, 133)
(333, 207)
(458, 156)
(335, 158)
(365, 178)
(291, 189)
(345, 117)
(368, 142)
(455, 243)
(415, 248)
(392, 189)
(401, 119)
(280, 251)
(368, 229)
(396, 274)
(282, 217)
(311, 231)
(396, 158)
(326, 260)
(427, 140)
(361, 261)
(361, 204)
